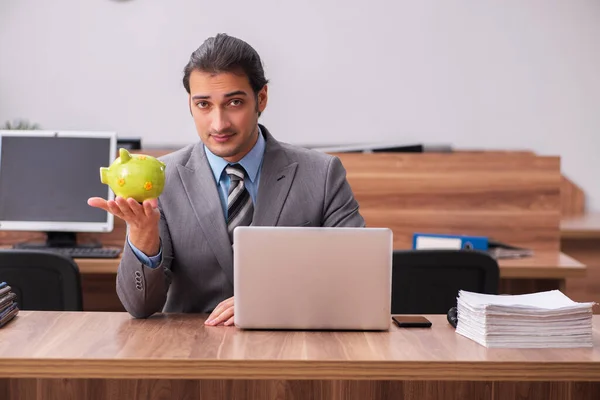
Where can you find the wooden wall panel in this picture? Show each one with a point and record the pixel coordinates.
(537, 230)
(572, 198)
(512, 197)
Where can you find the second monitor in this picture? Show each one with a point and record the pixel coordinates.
(46, 178)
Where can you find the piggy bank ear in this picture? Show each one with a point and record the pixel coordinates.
(124, 154)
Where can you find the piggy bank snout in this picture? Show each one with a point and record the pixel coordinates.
(104, 175)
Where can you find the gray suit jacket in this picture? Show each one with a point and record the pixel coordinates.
(298, 187)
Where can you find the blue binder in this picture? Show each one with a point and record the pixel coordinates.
(422, 241)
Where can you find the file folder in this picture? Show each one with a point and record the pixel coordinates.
(429, 241)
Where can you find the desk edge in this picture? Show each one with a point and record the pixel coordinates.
(300, 370)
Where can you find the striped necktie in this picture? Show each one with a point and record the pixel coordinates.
(239, 202)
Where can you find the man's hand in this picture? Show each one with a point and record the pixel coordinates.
(142, 220)
(223, 313)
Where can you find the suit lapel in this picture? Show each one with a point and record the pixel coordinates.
(276, 177)
(201, 189)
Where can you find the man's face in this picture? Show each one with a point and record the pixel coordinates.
(225, 112)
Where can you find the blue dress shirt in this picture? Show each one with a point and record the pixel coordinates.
(252, 163)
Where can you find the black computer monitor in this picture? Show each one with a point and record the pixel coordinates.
(46, 178)
(129, 143)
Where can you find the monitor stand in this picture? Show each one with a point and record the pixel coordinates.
(57, 239)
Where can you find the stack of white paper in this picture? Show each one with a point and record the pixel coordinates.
(546, 319)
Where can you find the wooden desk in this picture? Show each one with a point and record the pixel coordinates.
(586, 226)
(580, 238)
(53, 355)
(543, 265)
(546, 270)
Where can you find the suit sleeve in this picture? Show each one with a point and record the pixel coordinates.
(143, 289)
(340, 206)
(152, 262)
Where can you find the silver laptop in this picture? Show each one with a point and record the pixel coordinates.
(312, 278)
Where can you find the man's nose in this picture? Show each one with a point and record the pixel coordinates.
(220, 122)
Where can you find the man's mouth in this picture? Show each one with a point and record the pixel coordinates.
(222, 138)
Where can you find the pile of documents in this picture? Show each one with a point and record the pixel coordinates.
(537, 320)
(8, 307)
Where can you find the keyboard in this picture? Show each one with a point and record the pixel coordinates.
(82, 252)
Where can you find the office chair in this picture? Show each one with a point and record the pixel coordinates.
(42, 280)
(428, 281)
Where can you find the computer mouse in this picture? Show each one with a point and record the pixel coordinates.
(453, 317)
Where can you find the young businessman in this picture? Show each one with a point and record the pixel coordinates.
(178, 255)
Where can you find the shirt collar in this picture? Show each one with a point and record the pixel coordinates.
(251, 161)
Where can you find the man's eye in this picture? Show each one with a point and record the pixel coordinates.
(235, 102)
(202, 104)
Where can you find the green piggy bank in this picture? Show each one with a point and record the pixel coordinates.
(138, 176)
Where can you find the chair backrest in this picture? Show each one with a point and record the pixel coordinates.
(42, 280)
(428, 281)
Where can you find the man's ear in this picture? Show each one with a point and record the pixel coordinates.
(262, 99)
(190, 104)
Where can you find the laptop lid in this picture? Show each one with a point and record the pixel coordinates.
(312, 278)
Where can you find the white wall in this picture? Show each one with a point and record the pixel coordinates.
(485, 74)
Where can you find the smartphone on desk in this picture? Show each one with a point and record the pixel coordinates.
(411, 321)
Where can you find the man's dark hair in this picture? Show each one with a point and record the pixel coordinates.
(224, 53)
